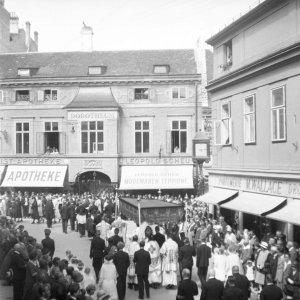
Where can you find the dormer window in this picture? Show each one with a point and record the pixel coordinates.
(24, 72)
(161, 69)
(97, 70)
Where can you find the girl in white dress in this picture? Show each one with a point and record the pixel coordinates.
(220, 261)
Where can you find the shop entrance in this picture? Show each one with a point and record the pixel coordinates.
(92, 182)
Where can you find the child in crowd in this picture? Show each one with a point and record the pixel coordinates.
(88, 277)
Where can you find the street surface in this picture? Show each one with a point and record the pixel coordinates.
(80, 247)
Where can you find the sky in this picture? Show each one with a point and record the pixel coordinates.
(126, 24)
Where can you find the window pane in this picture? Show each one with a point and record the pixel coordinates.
(175, 93)
(100, 137)
(26, 142)
(142, 93)
(277, 97)
(138, 125)
(47, 126)
(183, 141)
(281, 124)
(84, 142)
(252, 128)
(26, 126)
(54, 95)
(18, 126)
(84, 125)
(100, 147)
(19, 143)
(138, 142)
(175, 141)
(225, 111)
(175, 125)
(55, 126)
(100, 125)
(92, 141)
(146, 125)
(249, 105)
(225, 132)
(93, 125)
(146, 142)
(182, 124)
(182, 93)
(275, 124)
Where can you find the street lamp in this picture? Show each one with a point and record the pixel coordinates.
(139, 208)
(116, 203)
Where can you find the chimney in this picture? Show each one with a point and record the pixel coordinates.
(14, 23)
(27, 35)
(36, 40)
(86, 38)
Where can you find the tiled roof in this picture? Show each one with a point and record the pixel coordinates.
(118, 63)
(93, 97)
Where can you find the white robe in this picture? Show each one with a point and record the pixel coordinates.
(155, 268)
(169, 251)
(131, 249)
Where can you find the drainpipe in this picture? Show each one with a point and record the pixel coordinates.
(196, 107)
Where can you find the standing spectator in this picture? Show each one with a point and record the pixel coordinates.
(169, 251)
(231, 292)
(49, 212)
(48, 243)
(35, 212)
(32, 268)
(292, 288)
(18, 267)
(122, 262)
(203, 253)
(212, 288)
(116, 238)
(187, 288)
(158, 237)
(72, 215)
(81, 220)
(131, 249)
(241, 282)
(259, 276)
(142, 262)
(292, 251)
(271, 291)
(96, 253)
(64, 216)
(185, 258)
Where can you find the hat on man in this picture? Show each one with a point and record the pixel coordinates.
(263, 245)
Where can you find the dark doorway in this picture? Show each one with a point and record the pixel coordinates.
(52, 140)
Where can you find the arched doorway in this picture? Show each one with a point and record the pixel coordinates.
(92, 182)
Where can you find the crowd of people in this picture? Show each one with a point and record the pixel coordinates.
(230, 264)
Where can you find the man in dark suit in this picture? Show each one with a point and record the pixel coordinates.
(203, 255)
(232, 292)
(187, 288)
(48, 243)
(122, 262)
(158, 237)
(212, 288)
(64, 216)
(49, 212)
(96, 253)
(72, 215)
(185, 257)
(241, 282)
(271, 291)
(116, 238)
(142, 262)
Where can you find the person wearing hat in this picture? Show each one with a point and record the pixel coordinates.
(231, 291)
(262, 255)
(203, 253)
(48, 242)
(271, 291)
(185, 257)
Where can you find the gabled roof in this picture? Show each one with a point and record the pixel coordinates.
(118, 63)
(93, 97)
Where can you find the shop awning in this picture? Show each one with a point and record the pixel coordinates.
(156, 177)
(217, 196)
(34, 176)
(289, 213)
(255, 204)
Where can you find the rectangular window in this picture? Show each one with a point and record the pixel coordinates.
(1, 96)
(141, 94)
(223, 127)
(142, 136)
(51, 126)
(50, 95)
(97, 70)
(22, 138)
(23, 95)
(161, 69)
(179, 136)
(92, 136)
(249, 119)
(179, 93)
(228, 53)
(24, 72)
(278, 114)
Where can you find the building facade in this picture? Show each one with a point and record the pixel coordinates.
(13, 38)
(104, 115)
(254, 92)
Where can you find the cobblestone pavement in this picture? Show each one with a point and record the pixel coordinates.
(81, 247)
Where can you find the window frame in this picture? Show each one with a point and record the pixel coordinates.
(220, 125)
(51, 126)
(167, 69)
(96, 131)
(22, 132)
(179, 88)
(24, 72)
(141, 99)
(23, 101)
(142, 131)
(51, 95)
(248, 142)
(179, 130)
(101, 68)
(277, 109)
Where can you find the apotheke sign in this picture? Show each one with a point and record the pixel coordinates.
(258, 185)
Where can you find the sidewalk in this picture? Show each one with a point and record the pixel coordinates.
(6, 292)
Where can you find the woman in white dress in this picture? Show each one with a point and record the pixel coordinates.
(108, 278)
(233, 260)
(220, 261)
(132, 247)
